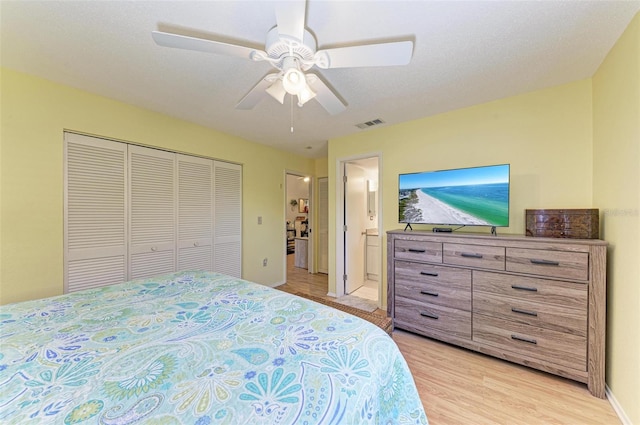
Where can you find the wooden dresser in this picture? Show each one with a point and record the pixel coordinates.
(539, 302)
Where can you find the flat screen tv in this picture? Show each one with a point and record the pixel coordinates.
(477, 196)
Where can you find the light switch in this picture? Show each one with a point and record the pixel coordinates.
(259, 219)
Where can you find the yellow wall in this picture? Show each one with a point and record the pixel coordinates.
(544, 135)
(321, 168)
(34, 114)
(616, 189)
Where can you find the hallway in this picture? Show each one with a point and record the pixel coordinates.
(300, 280)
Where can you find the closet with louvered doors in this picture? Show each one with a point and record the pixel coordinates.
(134, 212)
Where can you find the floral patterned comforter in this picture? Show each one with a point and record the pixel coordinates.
(197, 348)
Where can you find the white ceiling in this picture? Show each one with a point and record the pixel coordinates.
(465, 53)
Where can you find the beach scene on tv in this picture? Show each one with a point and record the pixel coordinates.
(468, 196)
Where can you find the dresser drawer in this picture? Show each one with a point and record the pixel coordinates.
(542, 344)
(548, 316)
(563, 264)
(541, 291)
(446, 286)
(418, 250)
(480, 256)
(449, 321)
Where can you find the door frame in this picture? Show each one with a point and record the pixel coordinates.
(311, 264)
(339, 214)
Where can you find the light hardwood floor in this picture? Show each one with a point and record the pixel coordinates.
(458, 386)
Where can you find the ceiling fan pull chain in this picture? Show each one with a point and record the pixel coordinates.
(291, 97)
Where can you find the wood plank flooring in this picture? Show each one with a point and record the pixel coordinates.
(458, 386)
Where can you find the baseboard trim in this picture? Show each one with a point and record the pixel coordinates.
(332, 294)
(616, 406)
(276, 284)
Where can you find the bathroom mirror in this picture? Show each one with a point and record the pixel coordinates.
(303, 205)
(372, 187)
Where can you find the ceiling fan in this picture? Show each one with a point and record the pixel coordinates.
(291, 49)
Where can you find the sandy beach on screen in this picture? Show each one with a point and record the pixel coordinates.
(437, 212)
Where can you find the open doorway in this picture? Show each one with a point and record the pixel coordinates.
(297, 228)
(358, 250)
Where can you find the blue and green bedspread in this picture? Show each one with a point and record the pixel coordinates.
(198, 348)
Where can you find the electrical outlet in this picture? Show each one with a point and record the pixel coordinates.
(264, 262)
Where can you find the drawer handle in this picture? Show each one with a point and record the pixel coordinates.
(429, 274)
(545, 262)
(433, 294)
(429, 315)
(527, 340)
(524, 288)
(527, 312)
(470, 255)
(416, 250)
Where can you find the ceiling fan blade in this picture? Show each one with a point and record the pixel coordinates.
(290, 17)
(202, 45)
(324, 95)
(383, 54)
(256, 94)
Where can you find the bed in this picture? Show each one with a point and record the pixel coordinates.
(198, 348)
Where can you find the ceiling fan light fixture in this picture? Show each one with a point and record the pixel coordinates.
(277, 91)
(294, 81)
(305, 95)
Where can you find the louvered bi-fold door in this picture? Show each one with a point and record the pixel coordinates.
(323, 225)
(195, 210)
(152, 198)
(95, 212)
(227, 241)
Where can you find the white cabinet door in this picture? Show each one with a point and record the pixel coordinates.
(195, 209)
(373, 257)
(227, 219)
(95, 208)
(152, 199)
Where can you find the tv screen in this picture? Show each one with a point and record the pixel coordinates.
(477, 196)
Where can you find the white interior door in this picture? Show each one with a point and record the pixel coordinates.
(355, 212)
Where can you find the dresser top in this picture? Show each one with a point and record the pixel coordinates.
(487, 238)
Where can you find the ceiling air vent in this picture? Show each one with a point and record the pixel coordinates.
(371, 123)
